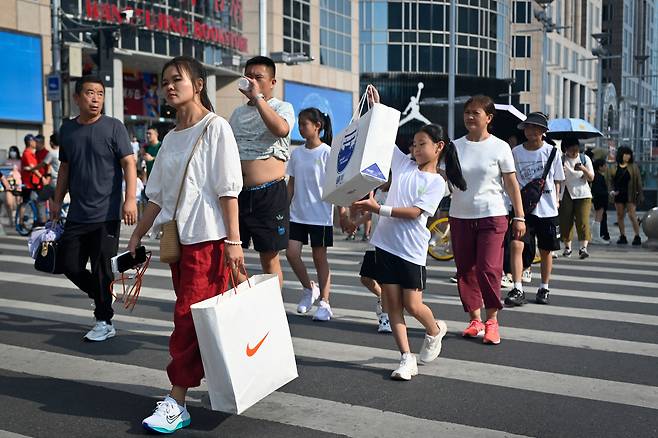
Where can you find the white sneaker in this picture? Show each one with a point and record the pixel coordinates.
(506, 282)
(432, 344)
(384, 324)
(168, 417)
(407, 369)
(323, 313)
(526, 277)
(100, 332)
(309, 297)
(599, 241)
(378, 307)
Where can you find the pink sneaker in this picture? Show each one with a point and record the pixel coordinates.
(491, 335)
(474, 329)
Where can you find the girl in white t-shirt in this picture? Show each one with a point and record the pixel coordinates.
(207, 220)
(309, 214)
(478, 217)
(401, 239)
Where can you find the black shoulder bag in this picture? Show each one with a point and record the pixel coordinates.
(531, 193)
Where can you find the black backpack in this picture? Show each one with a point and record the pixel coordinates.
(531, 193)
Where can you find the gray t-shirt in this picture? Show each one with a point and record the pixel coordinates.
(52, 159)
(93, 153)
(255, 141)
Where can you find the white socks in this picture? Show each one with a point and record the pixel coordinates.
(543, 286)
(518, 285)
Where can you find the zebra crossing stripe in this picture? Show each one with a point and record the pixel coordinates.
(297, 410)
(505, 376)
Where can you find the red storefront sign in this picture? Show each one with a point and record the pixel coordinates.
(187, 27)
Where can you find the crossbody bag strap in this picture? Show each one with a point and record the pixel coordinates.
(549, 163)
(189, 160)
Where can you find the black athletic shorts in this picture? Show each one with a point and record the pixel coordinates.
(392, 269)
(600, 202)
(321, 235)
(369, 265)
(545, 229)
(264, 216)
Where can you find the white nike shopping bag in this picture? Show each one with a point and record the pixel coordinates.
(361, 154)
(245, 343)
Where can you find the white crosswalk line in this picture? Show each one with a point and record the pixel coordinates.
(519, 378)
(157, 327)
(340, 289)
(281, 407)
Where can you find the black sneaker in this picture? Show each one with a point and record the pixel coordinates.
(567, 252)
(583, 254)
(622, 240)
(515, 297)
(637, 241)
(542, 296)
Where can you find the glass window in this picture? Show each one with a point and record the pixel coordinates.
(394, 58)
(336, 34)
(395, 16)
(522, 12)
(297, 26)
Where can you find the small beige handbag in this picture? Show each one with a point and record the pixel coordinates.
(170, 240)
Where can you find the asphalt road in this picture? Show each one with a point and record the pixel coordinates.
(585, 366)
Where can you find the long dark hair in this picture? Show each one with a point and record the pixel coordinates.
(14, 149)
(620, 154)
(194, 71)
(317, 116)
(448, 155)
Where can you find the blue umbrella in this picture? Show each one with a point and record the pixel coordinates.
(559, 129)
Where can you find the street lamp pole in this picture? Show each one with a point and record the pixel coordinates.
(57, 60)
(547, 27)
(262, 18)
(452, 69)
(639, 127)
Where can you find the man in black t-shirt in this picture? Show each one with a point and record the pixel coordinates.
(95, 154)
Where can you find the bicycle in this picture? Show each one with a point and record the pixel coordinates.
(29, 218)
(440, 245)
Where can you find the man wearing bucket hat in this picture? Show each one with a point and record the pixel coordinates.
(531, 160)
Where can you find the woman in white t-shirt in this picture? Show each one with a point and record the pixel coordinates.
(207, 220)
(478, 217)
(576, 201)
(401, 239)
(309, 214)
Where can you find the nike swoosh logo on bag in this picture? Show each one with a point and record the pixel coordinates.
(171, 419)
(252, 351)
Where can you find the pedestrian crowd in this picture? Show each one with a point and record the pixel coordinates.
(223, 183)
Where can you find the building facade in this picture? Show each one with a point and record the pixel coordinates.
(25, 50)
(568, 76)
(631, 30)
(404, 52)
(321, 34)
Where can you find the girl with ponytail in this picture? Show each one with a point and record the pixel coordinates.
(401, 240)
(309, 214)
(200, 160)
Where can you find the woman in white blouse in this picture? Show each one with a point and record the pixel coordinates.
(207, 220)
(576, 197)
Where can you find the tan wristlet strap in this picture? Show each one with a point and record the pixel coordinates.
(189, 159)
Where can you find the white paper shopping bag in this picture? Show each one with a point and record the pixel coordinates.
(361, 155)
(245, 343)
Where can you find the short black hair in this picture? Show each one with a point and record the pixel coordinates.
(624, 150)
(54, 139)
(598, 163)
(262, 60)
(88, 79)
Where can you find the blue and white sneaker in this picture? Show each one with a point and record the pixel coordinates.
(167, 417)
(101, 331)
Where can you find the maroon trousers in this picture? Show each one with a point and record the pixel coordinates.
(478, 248)
(201, 273)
